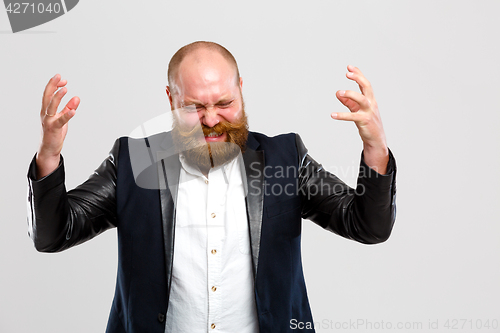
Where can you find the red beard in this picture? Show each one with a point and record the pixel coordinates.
(209, 155)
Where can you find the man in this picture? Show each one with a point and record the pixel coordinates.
(209, 214)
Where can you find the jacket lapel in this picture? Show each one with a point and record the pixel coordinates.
(254, 170)
(168, 166)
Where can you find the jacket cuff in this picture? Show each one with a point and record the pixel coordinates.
(48, 182)
(373, 176)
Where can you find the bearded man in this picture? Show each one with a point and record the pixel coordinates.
(204, 246)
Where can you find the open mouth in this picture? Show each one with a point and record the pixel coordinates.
(213, 135)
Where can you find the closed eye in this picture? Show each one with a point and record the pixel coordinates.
(224, 104)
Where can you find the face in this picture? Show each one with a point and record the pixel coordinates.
(210, 125)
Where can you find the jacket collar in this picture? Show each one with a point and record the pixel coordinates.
(252, 143)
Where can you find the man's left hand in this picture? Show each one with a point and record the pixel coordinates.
(366, 116)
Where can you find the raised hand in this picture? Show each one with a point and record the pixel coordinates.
(365, 114)
(54, 125)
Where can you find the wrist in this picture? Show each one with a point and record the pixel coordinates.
(48, 152)
(376, 158)
(378, 149)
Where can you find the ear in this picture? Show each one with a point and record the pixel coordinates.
(169, 93)
(241, 83)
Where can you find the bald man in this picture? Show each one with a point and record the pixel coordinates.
(209, 214)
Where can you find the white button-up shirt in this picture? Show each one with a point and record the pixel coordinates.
(212, 279)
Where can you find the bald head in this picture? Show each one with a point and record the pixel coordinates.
(197, 57)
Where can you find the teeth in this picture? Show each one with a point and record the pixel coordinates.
(213, 134)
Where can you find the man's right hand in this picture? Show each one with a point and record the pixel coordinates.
(54, 125)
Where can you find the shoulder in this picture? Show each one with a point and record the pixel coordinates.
(146, 148)
(156, 142)
(277, 149)
(155, 139)
(274, 142)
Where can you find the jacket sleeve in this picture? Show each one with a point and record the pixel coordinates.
(58, 219)
(365, 214)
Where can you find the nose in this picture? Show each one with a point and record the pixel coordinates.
(210, 117)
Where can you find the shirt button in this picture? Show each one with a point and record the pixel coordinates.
(213, 215)
(214, 251)
(212, 326)
(206, 181)
(161, 317)
(214, 288)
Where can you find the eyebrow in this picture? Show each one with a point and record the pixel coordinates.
(223, 100)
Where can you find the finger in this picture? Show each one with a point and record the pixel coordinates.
(49, 91)
(360, 99)
(54, 102)
(61, 83)
(68, 112)
(355, 74)
(349, 103)
(347, 116)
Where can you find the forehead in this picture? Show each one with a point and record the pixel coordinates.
(206, 77)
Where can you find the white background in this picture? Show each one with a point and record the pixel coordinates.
(435, 69)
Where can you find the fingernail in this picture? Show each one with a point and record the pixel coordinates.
(342, 93)
(334, 115)
(350, 74)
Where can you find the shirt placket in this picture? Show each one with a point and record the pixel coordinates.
(215, 235)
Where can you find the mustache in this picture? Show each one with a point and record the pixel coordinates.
(223, 127)
(220, 128)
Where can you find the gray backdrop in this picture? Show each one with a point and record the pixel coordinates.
(435, 70)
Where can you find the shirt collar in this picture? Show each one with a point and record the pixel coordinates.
(195, 171)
